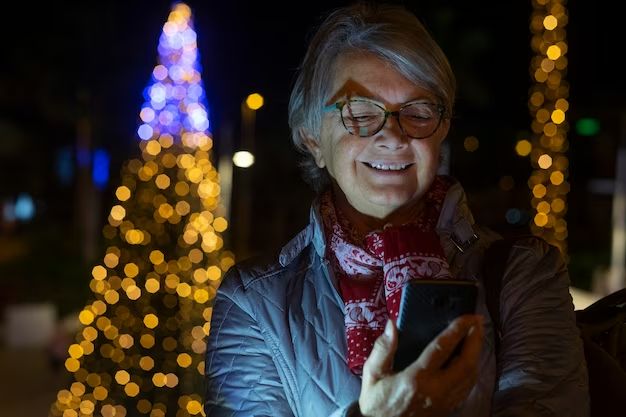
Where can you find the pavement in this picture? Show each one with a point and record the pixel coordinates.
(28, 382)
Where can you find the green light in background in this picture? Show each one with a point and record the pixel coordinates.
(587, 126)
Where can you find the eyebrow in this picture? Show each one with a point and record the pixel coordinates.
(378, 101)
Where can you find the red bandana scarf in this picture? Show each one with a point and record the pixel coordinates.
(371, 271)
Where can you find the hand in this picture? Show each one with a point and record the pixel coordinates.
(424, 388)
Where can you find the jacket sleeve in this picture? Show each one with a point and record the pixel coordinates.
(240, 375)
(541, 365)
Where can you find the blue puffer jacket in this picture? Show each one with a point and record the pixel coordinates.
(277, 343)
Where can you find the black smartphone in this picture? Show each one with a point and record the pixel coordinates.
(427, 307)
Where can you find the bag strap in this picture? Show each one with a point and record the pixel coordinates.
(494, 264)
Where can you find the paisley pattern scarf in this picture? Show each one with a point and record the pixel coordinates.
(372, 269)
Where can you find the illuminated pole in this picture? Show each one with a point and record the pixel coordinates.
(548, 106)
(244, 158)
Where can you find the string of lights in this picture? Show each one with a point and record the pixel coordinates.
(548, 107)
(141, 346)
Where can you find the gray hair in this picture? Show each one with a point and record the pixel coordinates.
(390, 32)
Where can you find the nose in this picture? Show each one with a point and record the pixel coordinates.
(391, 136)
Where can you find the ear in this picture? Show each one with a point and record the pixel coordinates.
(312, 144)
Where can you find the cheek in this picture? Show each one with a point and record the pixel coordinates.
(344, 153)
(427, 152)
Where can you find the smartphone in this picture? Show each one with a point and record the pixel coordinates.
(427, 307)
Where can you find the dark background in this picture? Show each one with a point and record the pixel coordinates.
(68, 60)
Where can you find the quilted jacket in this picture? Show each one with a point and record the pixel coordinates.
(277, 342)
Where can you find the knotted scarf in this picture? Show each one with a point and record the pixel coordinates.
(372, 269)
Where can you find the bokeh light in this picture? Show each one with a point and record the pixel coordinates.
(163, 259)
(548, 105)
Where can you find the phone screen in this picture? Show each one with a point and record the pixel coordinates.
(427, 307)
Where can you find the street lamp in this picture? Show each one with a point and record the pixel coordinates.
(243, 158)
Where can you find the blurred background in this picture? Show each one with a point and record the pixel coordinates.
(72, 76)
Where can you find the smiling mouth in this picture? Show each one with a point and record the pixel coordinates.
(387, 167)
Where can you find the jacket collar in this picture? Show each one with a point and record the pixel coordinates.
(455, 227)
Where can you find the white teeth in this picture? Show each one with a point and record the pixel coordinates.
(390, 167)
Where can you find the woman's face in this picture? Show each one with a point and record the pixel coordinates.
(357, 165)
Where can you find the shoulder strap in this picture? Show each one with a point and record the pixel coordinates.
(494, 264)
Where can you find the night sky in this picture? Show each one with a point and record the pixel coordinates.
(69, 59)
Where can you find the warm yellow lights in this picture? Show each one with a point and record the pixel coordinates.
(539, 190)
(214, 273)
(111, 296)
(111, 260)
(75, 351)
(122, 377)
(220, 224)
(523, 147)
(118, 213)
(553, 52)
(126, 341)
(122, 193)
(151, 321)
(557, 178)
(162, 181)
(194, 407)
(184, 360)
(558, 205)
(87, 407)
(545, 161)
(131, 389)
(144, 329)
(156, 257)
(152, 285)
(159, 379)
(153, 147)
(254, 101)
(548, 105)
(99, 272)
(201, 296)
(146, 363)
(558, 116)
(86, 317)
(134, 236)
(131, 270)
(471, 144)
(72, 364)
(183, 290)
(147, 341)
(550, 22)
(100, 393)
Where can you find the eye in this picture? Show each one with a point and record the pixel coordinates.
(362, 112)
(362, 118)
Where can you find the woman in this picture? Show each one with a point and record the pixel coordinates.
(312, 332)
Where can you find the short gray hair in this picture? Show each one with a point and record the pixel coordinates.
(390, 32)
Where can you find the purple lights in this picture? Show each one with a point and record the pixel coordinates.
(175, 99)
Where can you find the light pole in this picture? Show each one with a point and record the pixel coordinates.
(244, 158)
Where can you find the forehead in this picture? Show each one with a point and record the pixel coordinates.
(366, 75)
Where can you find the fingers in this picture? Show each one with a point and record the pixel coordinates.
(438, 351)
(380, 360)
(465, 364)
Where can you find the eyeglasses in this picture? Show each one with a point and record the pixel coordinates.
(364, 118)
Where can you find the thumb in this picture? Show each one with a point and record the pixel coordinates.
(380, 360)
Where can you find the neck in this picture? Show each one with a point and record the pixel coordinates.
(366, 223)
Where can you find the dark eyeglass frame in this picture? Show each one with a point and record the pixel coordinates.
(339, 105)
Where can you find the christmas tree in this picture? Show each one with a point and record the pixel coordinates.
(141, 348)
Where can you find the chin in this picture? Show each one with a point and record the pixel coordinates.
(392, 200)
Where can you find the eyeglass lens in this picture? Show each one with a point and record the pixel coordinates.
(363, 118)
